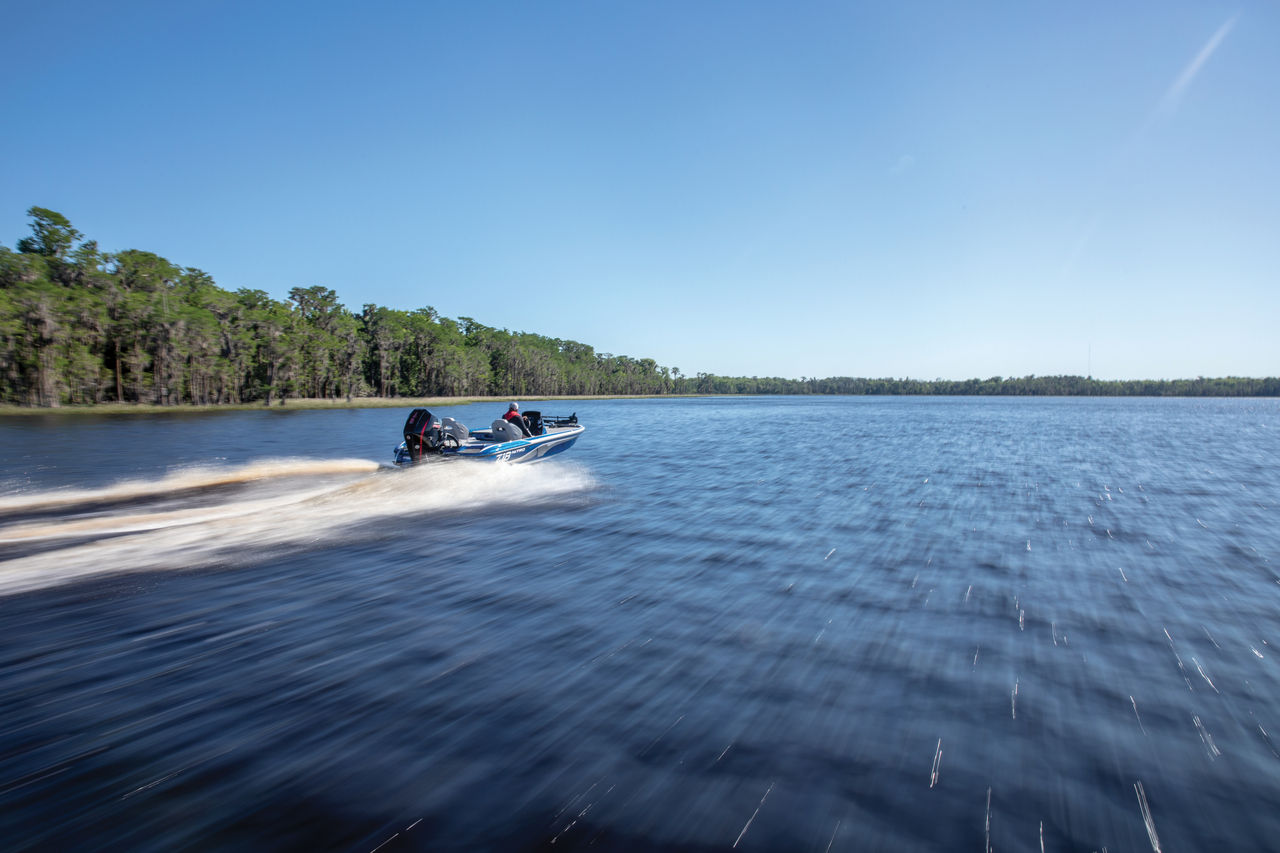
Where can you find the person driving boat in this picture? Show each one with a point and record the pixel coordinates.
(513, 416)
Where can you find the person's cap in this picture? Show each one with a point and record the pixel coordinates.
(514, 407)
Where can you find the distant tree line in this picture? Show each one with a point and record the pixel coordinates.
(1025, 386)
(82, 326)
(78, 325)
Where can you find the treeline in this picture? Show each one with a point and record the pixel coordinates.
(78, 325)
(1025, 386)
(82, 326)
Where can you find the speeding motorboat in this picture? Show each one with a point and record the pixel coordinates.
(429, 437)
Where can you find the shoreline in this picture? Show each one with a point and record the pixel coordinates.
(321, 403)
(306, 404)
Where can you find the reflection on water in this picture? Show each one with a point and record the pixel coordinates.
(872, 624)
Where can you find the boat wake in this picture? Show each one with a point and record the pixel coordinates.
(228, 515)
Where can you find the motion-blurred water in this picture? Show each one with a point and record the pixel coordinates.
(770, 624)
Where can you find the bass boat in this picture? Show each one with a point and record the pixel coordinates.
(429, 437)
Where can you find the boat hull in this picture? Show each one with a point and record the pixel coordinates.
(480, 447)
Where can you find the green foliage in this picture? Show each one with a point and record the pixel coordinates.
(79, 326)
(51, 234)
(1027, 386)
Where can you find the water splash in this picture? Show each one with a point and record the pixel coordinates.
(206, 516)
(189, 479)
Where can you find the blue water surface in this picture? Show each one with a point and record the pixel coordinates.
(717, 623)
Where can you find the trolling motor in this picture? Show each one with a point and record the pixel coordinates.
(537, 423)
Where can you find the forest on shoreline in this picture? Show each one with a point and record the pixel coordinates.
(79, 326)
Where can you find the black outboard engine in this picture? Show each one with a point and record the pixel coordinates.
(418, 438)
(424, 433)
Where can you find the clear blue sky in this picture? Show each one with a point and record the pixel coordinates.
(747, 188)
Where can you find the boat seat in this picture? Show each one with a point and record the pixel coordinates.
(504, 430)
(451, 427)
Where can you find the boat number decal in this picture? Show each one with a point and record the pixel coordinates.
(503, 457)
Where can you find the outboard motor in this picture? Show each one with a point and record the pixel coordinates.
(424, 433)
(417, 434)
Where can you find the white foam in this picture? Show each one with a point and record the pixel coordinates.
(302, 502)
(195, 477)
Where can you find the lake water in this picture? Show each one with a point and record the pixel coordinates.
(772, 624)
